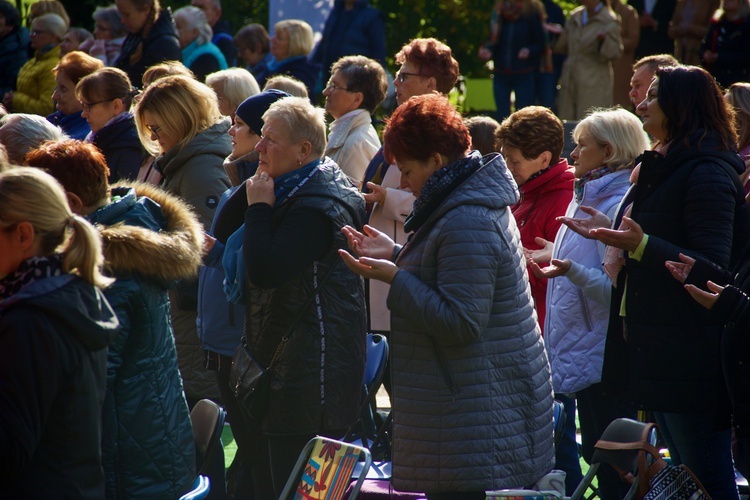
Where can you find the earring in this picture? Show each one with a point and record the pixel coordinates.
(299, 162)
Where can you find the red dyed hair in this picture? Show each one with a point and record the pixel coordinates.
(79, 166)
(434, 58)
(424, 125)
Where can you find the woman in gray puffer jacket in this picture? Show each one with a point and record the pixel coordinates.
(472, 397)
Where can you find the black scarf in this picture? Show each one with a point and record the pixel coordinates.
(439, 186)
(30, 270)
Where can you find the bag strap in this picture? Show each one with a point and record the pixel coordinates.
(298, 316)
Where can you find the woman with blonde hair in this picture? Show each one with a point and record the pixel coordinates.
(36, 82)
(198, 51)
(291, 44)
(738, 96)
(55, 325)
(232, 86)
(152, 37)
(106, 97)
(166, 68)
(178, 120)
(578, 300)
(68, 72)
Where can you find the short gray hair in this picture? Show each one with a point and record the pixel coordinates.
(239, 84)
(111, 16)
(618, 128)
(196, 19)
(21, 133)
(303, 121)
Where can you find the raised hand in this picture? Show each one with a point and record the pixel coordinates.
(543, 254)
(376, 269)
(556, 268)
(706, 299)
(583, 227)
(628, 238)
(680, 270)
(372, 243)
(376, 194)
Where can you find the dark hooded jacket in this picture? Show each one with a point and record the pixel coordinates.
(53, 361)
(159, 45)
(121, 147)
(151, 239)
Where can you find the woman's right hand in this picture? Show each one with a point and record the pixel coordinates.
(372, 243)
(584, 226)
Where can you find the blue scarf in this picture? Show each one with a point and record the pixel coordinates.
(285, 187)
(29, 271)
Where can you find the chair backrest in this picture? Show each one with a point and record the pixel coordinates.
(623, 430)
(377, 358)
(558, 420)
(324, 470)
(208, 422)
(199, 490)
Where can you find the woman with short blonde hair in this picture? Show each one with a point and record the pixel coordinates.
(232, 86)
(291, 44)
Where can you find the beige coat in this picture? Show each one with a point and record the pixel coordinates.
(352, 143)
(586, 79)
(389, 218)
(622, 67)
(688, 26)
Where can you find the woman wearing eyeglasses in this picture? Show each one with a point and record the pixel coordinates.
(356, 88)
(68, 73)
(105, 97)
(178, 120)
(36, 82)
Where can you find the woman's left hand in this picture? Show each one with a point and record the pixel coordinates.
(555, 269)
(543, 254)
(259, 189)
(628, 238)
(375, 269)
(704, 298)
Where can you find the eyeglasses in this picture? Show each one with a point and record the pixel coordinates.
(154, 130)
(401, 76)
(86, 106)
(332, 86)
(39, 32)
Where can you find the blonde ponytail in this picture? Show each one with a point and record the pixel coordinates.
(83, 253)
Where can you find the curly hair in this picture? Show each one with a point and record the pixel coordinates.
(533, 130)
(425, 125)
(434, 59)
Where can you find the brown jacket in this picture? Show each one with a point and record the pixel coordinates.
(688, 26)
(623, 66)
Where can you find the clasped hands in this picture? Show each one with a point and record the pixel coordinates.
(374, 250)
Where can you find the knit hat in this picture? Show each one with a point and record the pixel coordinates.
(251, 110)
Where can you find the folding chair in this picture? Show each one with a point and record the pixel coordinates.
(208, 419)
(324, 470)
(365, 429)
(559, 418)
(622, 430)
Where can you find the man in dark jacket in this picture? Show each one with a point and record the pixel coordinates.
(14, 40)
(222, 37)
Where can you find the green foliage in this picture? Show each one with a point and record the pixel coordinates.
(462, 24)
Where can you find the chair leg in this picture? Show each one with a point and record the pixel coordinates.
(580, 491)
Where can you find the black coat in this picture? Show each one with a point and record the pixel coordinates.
(13, 56)
(122, 149)
(686, 202)
(655, 41)
(730, 40)
(317, 379)
(159, 45)
(53, 362)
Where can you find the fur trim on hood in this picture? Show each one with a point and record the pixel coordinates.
(172, 254)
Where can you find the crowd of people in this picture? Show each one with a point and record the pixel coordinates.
(171, 195)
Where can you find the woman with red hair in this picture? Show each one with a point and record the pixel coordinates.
(464, 335)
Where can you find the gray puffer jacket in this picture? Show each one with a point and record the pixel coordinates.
(472, 394)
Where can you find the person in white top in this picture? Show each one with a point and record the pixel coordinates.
(356, 88)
